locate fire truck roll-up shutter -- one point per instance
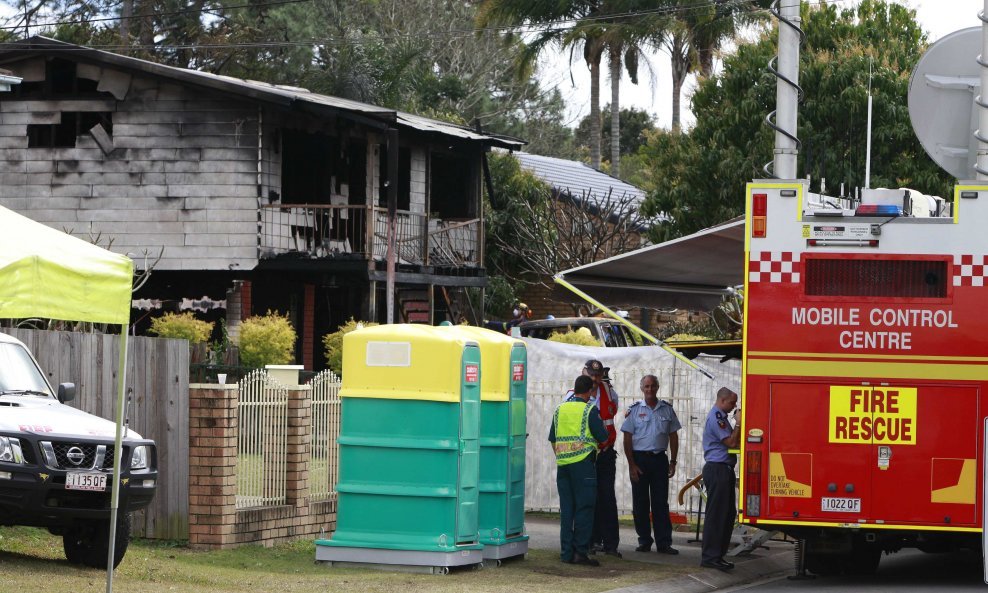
(901, 453)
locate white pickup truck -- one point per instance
(56, 463)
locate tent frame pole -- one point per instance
(117, 453)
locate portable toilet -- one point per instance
(502, 442)
(409, 450)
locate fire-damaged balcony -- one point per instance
(321, 232)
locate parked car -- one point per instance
(56, 463)
(610, 332)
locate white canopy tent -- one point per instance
(50, 274)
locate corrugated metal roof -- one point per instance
(284, 95)
(578, 179)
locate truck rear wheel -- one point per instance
(89, 544)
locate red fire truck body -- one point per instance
(865, 371)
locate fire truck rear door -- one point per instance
(929, 478)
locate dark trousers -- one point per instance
(605, 524)
(650, 494)
(722, 510)
(577, 485)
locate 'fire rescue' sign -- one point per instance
(880, 415)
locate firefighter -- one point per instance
(605, 399)
(576, 429)
(519, 313)
(719, 480)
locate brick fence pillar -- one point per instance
(213, 433)
(299, 442)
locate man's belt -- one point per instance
(662, 452)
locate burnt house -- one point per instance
(254, 196)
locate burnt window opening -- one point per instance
(61, 79)
(876, 278)
(309, 162)
(65, 133)
(452, 193)
(404, 178)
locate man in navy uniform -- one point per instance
(651, 446)
(575, 431)
(719, 480)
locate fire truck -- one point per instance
(865, 374)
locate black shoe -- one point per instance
(584, 560)
(718, 564)
(614, 553)
(565, 561)
(667, 550)
(594, 548)
(644, 548)
(728, 563)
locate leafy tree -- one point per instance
(532, 234)
(266, 339)
(698, 179)
(182, 326)
(634, 125)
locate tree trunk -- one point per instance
(126, 12)
(593, 61)
(615, 111)
(680, 68)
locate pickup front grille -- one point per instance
(71, 455)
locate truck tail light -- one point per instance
(759, 214)
(753, 483)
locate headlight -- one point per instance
(139, 458)
(10, 450)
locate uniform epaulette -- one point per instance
(634, 404)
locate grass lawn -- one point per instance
(32, 560)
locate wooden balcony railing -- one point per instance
(316, 231)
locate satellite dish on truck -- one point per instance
(941, 101)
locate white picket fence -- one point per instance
(262, 444)
(324, 453)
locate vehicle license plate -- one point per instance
(85, 481)
(841, 505)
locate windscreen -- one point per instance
(18, 371)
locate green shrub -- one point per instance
(685, 338)
(580, 337)
(268, 339)
(333, 344)
(181, 326)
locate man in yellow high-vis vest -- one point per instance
(575, 432)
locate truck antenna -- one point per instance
(867, 179)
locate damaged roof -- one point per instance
(286, 96)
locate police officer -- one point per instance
(650, 440)
(605, 399)
(575, 431)
(719, 480)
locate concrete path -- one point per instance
(774, 560)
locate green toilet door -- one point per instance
(468, 495)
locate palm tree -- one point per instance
(698, 32)
(568, 24)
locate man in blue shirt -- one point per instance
(649, 431)
(719, 480)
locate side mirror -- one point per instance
(66, 392)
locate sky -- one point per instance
(654, 93)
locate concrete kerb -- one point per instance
(776, 559)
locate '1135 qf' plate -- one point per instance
(841, 505)
(85, 481)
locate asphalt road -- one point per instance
(909, 570)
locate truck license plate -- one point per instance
(841, 505)
(85, 481)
